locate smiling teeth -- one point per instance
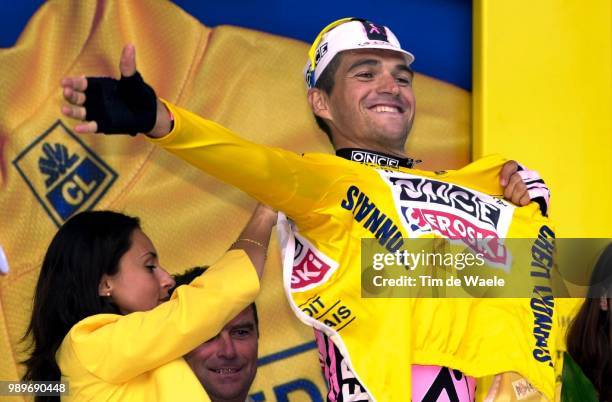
(383, 109)
(226, 371)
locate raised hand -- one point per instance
(110, 106)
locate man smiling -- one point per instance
(226, 364)
(360, 117)
(360, 91)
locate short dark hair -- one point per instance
(87, 246)
(326, 83)
(190, 274)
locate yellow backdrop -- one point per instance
(246, 80)
(542, 94)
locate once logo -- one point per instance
(367, 157)
(310, 266)
(460, 210)
(459, 213)
(480, 206)
(63, 173)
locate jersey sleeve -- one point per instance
(279, 178)
(117, 348)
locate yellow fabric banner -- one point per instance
(246, 80)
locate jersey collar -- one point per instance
(375, 158)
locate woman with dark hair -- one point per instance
(589, 339)
(99, 321)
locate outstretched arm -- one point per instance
(282, 179)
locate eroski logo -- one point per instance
(310, 266)
(431, 206)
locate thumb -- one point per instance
(508, 170)
(127, 64)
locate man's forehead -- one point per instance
(381, 55)
(245, 317)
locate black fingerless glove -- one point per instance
(125, 106)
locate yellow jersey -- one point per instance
(335, 203)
